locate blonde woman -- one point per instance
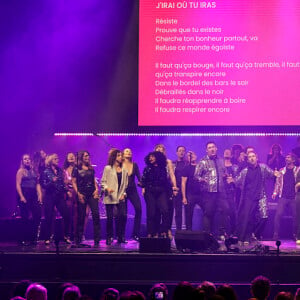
(29, 197)
(55, 196)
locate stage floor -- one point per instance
(287, 247)
(123, 266)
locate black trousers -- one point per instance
(32, 207)
(232, 211)
(134, 198)
(193, 200)
(56, 200)
(211, 203)
(93, 204)
(157, 210)
(177, 202)
(249, 220)
(282, 204)
(119, 211)
(298, 214)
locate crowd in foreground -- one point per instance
(259, 290)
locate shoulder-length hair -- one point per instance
(112, 156)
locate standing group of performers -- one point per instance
(230, 190)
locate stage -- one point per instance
(122, 266)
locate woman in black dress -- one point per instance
(132, 194)
(155, 190)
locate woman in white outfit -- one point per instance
(114, 183)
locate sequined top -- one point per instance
(85, 180)
(51, 186)
(210, 172)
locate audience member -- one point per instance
(159, 291)
(61, 289)
(209, 289)
(183, 291)
(284, 296)
(297, 295)
(110, 294)
(227, 292)
(36, 291)
(21, 287)
(260, 288)
(132, 295)
(71, 293)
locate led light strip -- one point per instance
(178, 134)
(73, 134)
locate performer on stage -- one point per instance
(230, 190)
(297, 189)
(132, 194)
(178, 166)
(114, 183)
(155, 190)
(172, 187)
(29, 197)
(275, 159)
(39, 164)
(210, 172)
(253, 208)
(86, 188)
(190, 188)
(285, 189)
(55, 190)
(68, 167)
(236, 151)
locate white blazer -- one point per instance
(110, 180)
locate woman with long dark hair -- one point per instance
(132, 194)
(55, 190)
(69, 164)
(172, 186)
(39, 162)
(155, 190)
(29, 197)
(86, 188)
(114, 183)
